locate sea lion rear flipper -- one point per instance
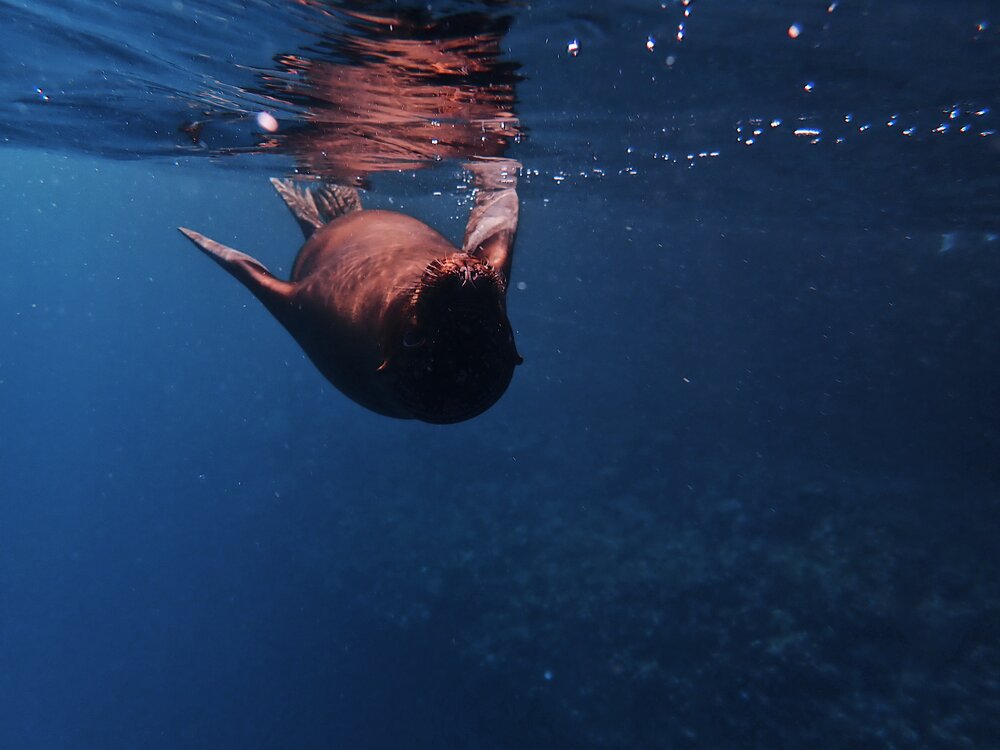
(492, 223)
(314, 207)
(273, 292)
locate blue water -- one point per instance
(744, 492)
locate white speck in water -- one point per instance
(650, 43)
(794, 30)
(809, 87)
(266, 121)
(573, 47)
(521, 286)
(547, 674)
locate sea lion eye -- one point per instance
(413, 339)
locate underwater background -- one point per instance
(744, 492)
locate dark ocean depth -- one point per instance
(744, 492)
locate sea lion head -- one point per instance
(453, 355)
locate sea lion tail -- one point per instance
(272, 291)
(313, 207)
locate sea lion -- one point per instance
(395, 316)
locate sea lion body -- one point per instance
(396, 317)
(353, 278)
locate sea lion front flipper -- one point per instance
(273, 292)
(492, 224)
(314, 207)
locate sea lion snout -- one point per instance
(456, 356)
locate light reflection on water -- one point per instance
(356, 88)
